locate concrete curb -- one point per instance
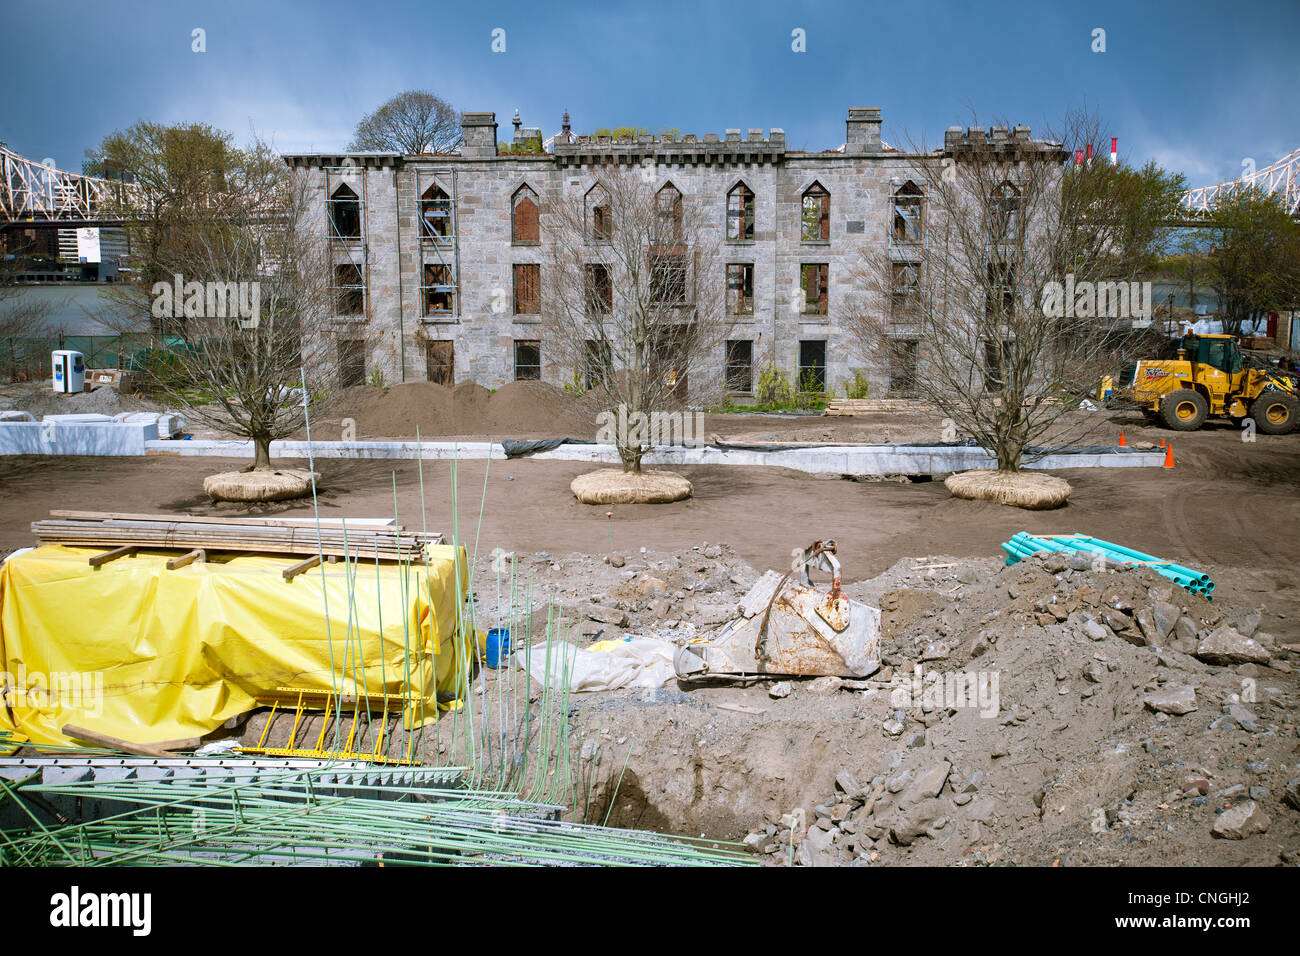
(834, 460)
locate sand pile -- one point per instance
(40, 401)
(517, 410)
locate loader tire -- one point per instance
(1184, 410)
(1275, 413)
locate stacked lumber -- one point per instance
(869, 406)
(191, 533)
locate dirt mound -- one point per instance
(517, 410)
(45, 401)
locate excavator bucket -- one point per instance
(787, 626)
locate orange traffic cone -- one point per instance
(1122, 442)
(1169, 455)
(1162, 443)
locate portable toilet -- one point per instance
(69, 370)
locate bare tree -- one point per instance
(634, 301)
(412, 122)
(1009, 278)
(244, 285)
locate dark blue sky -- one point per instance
(1198, 86)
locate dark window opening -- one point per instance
(909, 208)
(997, 365)
(349, 290)
(352, 362)
(740, 213)
(528, 361)
(597, 363)
(740, 289)
(435, 213)
(345, 214)
(812, 366)
(600, 290)
(1005, 220)
(904, 292)
(668, 278)
(902, 368)
(740, 365)
(601, 225)
(1000, 294)
(438, 292)
(668, 226)
(816, 214)
(816, 281)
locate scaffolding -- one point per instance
(439, 251)
(345, 218)
(909, 238)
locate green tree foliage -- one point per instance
(411, 123)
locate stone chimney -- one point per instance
(479, 130)
(863, 130)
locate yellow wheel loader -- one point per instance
(1205, 375)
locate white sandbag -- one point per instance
(642, 662)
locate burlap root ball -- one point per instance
(613, 486)
(1022, 489)
(278, 485)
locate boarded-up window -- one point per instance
(528, 361)
(525, 223)
(437, 290)
(740, 365)
(740, 288)
(352, 362)
(816, 214)
(740, 213)
(440, 362)
(349, 290)
(600, 290)
(528, 290)
(816, 280)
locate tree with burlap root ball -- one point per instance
(984, 228)
(236, 283)
(633, 302)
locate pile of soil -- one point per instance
(517, 410)
(41, 401)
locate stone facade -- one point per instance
(481, 181)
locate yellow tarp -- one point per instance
(145, 654)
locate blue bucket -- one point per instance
(498, 646)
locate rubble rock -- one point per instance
(907, 824)
(606, 615)
(1174, 699)
(779, 689)
(825, 685)
(1241, 821)
(1226, 645)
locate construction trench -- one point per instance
(1066, 707)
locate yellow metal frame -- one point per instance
(306, 700)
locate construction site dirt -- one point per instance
(1093, 754)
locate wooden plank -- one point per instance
(96, 560)
(186, 559)
(113, 743)
(334, 524)
(294, 570)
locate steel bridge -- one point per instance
(1278, 179)
(33, 193)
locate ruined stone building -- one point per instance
(438, 260)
